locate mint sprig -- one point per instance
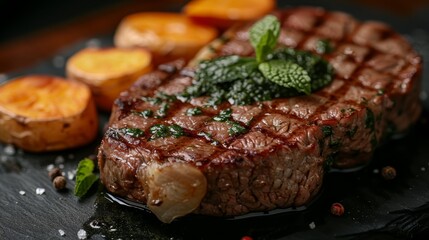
(244, 80)
(263, 36)
(85, 177)
(286, 74)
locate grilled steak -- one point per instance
(289, 143)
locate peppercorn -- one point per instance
(388, 173)
(59, 182)
(54, 172)
(337, 209)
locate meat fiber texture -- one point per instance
(291, 143)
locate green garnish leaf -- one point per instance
(323, 46)
(85, 177)
(133, 132)
(223, 116)
(162, 111)
(263, 36)
(287, 74)
(319, 70)
(161, 131)
(245, 80)
(226, 69)
(146, 113)
(176, 131)
(236, 129)
(193, 111)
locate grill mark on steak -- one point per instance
(279, 161)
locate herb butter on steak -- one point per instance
(182, 157)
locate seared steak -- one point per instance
(288, 144)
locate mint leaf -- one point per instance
(263, 36)
(85, 177)
(287, 74)
(319, 70)
(226, 69)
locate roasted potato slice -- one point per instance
(167, 35)
(45, 113)
(225, 13)
(108, 71)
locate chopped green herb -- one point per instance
(152, 100)
(323, 46)
(166, 97)
(146, 113)
(133, 132)
(162, 111)
(223, 116)
(193, 111)
(85, 177)
(327, 131)
(161, 131)
(236, 129)
(176, 131)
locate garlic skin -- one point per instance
(173, 189)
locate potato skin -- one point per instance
(226, 13)
(51, 133)
(157, 37)
(107, 86)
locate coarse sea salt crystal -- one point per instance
(62, 233)
(22, 192)
(9, 149)
(312, 225)
(40, 191)
(59, 159)
(50, 167)
(71, 174)
(81, 234)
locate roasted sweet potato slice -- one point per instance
(108, 71)
(167, 35)
(45, 113)
(224, 13)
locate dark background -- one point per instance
(31, 31)
(21, 17)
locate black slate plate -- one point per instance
(375, 208)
